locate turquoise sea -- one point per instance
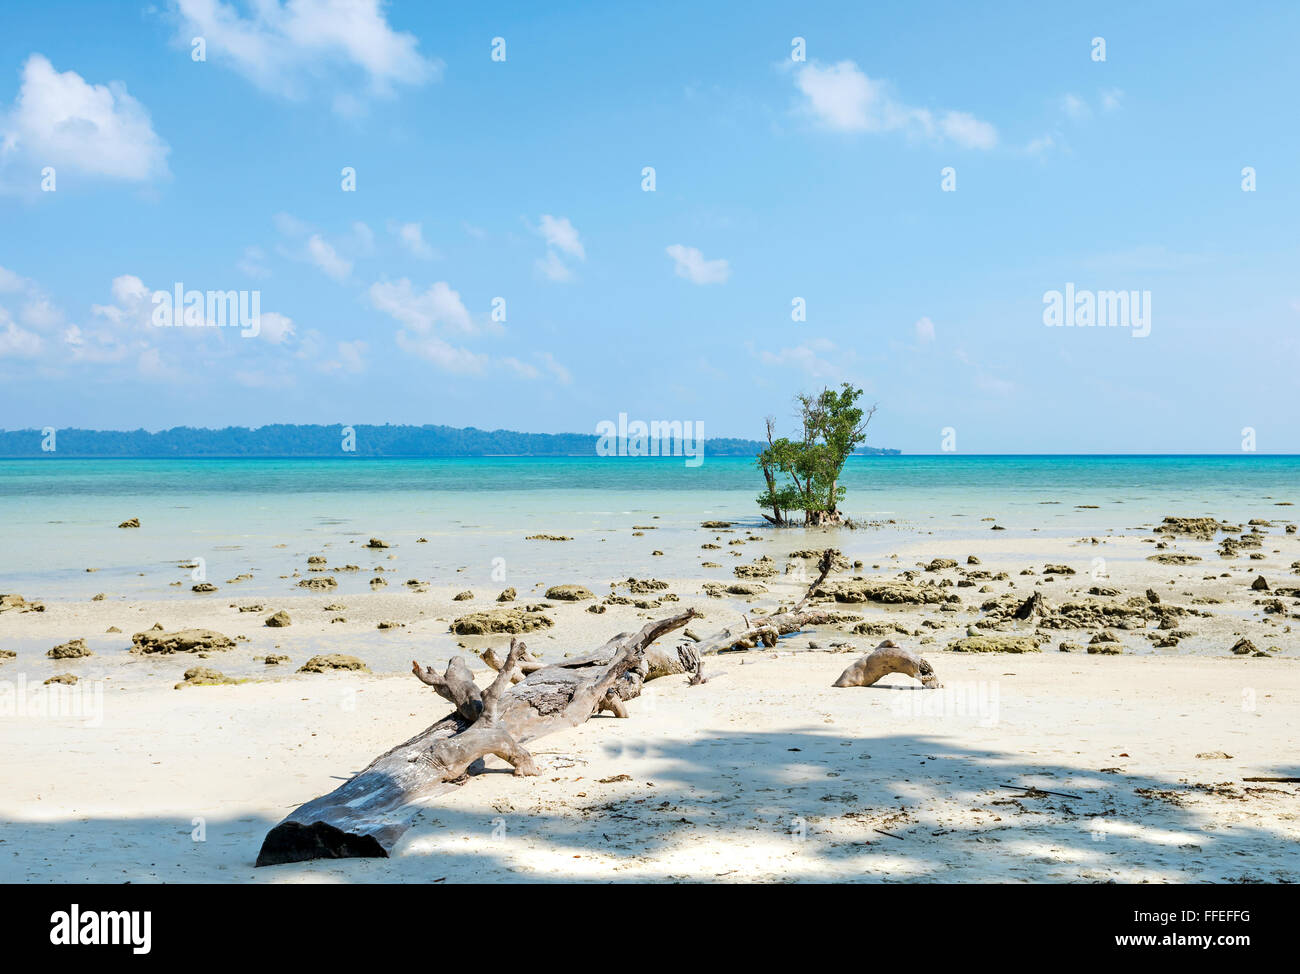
(60, 516)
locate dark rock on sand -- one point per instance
(202, 676)
(885, 592)
(644, 586)
(181, 641)
(569, 593)
(514, 621)
(133, 522)
(331, 662)
(717, 589)
(279, 620)
(72, 649)
(1105, 649)
(1203, 528)
(995, 644)
(507, 596)
(462, 596)
(764, 567)
(13, 602)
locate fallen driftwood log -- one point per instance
(368, 814)
(888, 658)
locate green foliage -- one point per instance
(803, 475)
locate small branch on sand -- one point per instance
(1033, 790)
(765, 632)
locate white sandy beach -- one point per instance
(765, 772)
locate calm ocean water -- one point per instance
(60, 515)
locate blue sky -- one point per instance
(776, 179)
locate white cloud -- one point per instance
(523, 369)
(552, 268)
(1041, 145)
(290, 225)
(62, 121)
(324, 256)
(924, 330)
(132, 302)
(292, 48)
(1075, 107)
(968, 131)
(1111, 99)
(843, 98)
(275, 327)
(10, 282)
(811, 357)
(444, 355)
(16, 342)
(561, 374)
(562, 235)
(39, 313)
(365, 237)
(438, 307)
(411, 236)
(429, 316)
(689, 263)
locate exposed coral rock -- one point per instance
(995, 644)
(333, 661)
(72, 649)
(516, 621)
(569, 593)
(182, 641)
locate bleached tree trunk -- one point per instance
(368, 814)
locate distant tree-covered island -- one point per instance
(294, 440)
